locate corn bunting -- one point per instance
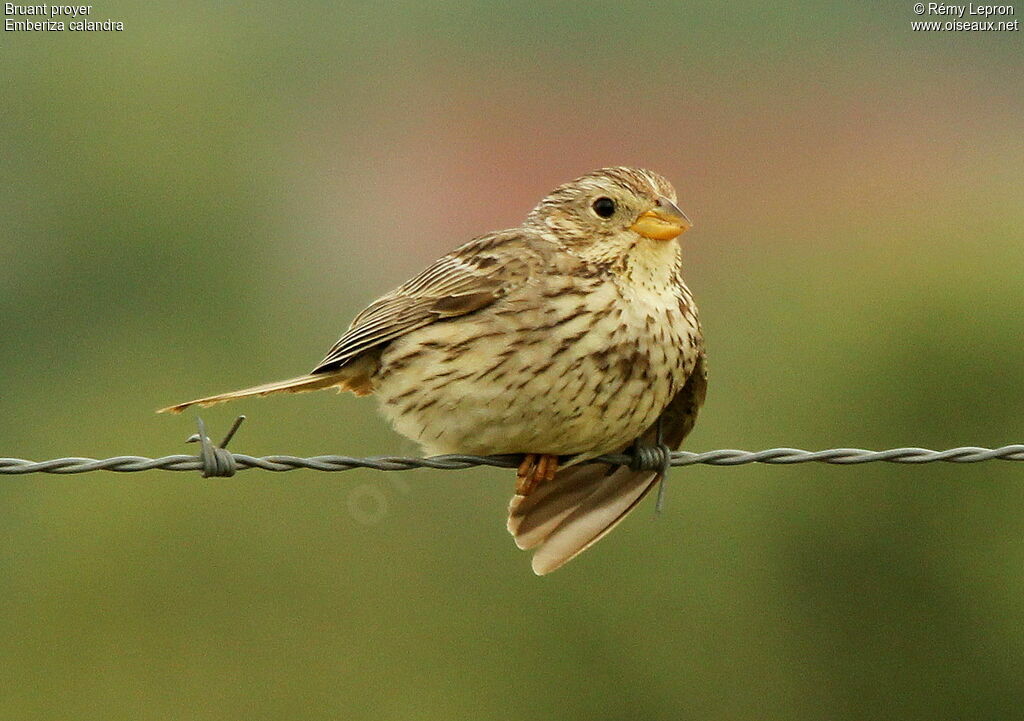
(566, 338)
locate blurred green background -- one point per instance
(204, 200)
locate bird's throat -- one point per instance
(651, 263)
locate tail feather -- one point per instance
(343, 380)
(568, 515)
(534, 517)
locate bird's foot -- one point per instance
(536, 467)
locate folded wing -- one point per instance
(468, 279)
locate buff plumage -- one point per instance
(565, 338)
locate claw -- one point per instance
(534, 469)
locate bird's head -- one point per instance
(607, 214)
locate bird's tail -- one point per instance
(344, 379)
(562, 518)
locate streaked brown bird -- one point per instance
(563, 339)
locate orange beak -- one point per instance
(664, 221)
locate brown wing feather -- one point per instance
(565, 517)
(468, 279)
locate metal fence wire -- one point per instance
(216, 460)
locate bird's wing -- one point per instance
(467, 279)
(566, 516)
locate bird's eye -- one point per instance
(604, 207)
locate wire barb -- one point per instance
(216, 460)
(656, 457)
(666, 462)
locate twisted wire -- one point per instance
(225, 462)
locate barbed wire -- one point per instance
(218, 461)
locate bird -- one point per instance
(566, 338)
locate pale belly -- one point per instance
(586, 374)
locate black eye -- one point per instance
(604, 207)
